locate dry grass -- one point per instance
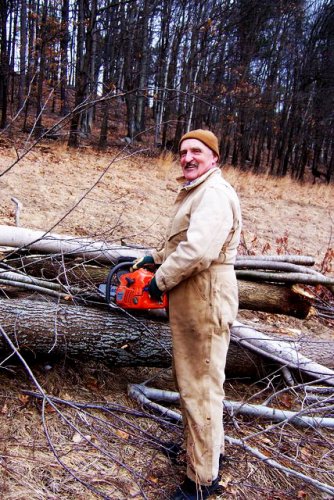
(281, 188)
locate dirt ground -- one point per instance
(122, 195)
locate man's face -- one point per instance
(196, 159)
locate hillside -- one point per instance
(132, 195)
(122, 195)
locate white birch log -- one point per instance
(40, 241)
(144, 394)
(283, 352)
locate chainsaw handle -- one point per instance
(111, 273)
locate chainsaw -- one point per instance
(129, 289)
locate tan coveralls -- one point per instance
(197, 270)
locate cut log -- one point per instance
(101, 251)
(276, 299)
(266, 297)
(115, 338)
(59, 244)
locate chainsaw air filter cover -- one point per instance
(132, 291)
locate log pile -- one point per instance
(44, 291)
(50, 306)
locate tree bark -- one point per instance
(41, 51)
(23, 53)
(4, 63)
(52, 329)
(276, 299)
(64, 41)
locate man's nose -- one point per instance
(188, 156)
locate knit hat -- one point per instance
(205, 136)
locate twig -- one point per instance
(39, 115)
(47, 399)
(327, 488)
(61, 463)
(18, 208)
(23, 105)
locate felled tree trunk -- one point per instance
(60, 244)
(118, 339)
(276, 299)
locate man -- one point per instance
(196, 268)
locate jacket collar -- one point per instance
(186, 185)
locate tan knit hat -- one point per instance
(205, 136)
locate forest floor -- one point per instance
(126, 196)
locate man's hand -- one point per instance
(154, 291)
(142, 262)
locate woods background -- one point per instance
(259, 73)
(91, 93)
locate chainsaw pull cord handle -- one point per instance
(111, 273)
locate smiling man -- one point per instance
(197, 158)
(197, 269)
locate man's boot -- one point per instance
(189, 490)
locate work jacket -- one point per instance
(204, 230)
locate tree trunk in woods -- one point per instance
(4, 63)
(41, 47)
(87, 12)
(64, 42)
(273, 116)
(53, 329)
(23, 53)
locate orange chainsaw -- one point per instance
(129, 289)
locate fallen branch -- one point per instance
(308, 279)
(304, 260)
(279, 351)
(144, 394)
(327, 488)
(273, 266)
(33, 288)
